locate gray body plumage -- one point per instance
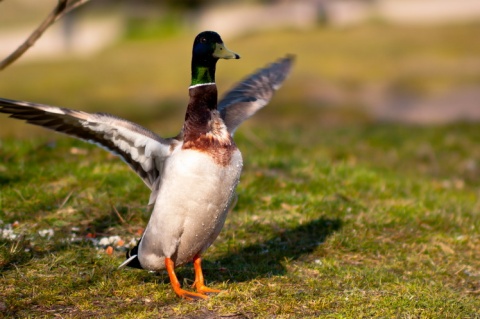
(194, 198)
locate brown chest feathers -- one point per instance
(204, 129)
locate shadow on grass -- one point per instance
(264, 259)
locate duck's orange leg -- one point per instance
(199, 280)
(176, 284)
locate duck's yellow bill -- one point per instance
(222, 52)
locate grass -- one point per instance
(337, 216)
(313, 233)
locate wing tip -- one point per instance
(283, 66)
(290, 57)
(288, 61)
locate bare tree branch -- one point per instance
(73, 4)
(62, 7)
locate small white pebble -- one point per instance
(108, 241)
(114, 240)
(7, 233)
(132, 243)
(104, 241)
(46, 233)
(318, 261)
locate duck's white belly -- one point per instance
(190, 209)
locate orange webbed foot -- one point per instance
(176, 284)
(189, 295)
(199, 283)
(202, 289)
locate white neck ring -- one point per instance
(201, 84)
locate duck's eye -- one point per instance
(203, 40)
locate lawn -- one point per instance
(338, 215)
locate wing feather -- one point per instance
(141, 149)
(253, 93)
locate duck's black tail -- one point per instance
(132, 259)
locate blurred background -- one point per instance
(414, 62)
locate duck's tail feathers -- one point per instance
(132, 259)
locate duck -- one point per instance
(192, 177)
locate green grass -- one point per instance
(337, 216)
(313, 233)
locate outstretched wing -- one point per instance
(253, 93)
(141, 149)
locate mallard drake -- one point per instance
(193, 176)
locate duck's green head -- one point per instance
(208, 47)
